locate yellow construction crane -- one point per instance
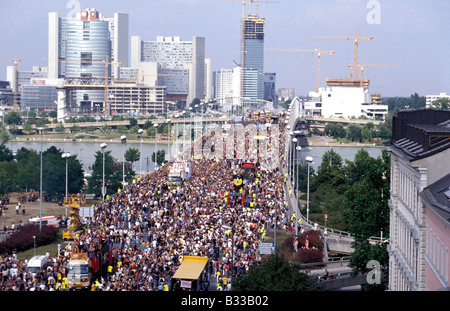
(355, 49)
(106, 62)
(15, 61)
(243, 35)
(318, 51)
(362, 66)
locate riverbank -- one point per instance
(313, 141)
(326, 141)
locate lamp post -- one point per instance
(168, 138)
(156, 144)
(298, 148)
(309, 160)
(103, 146)
(40, 129)
(66, 156)
(123, 138)
(140, 131)
(294, 140)
(291, 134)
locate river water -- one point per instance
(85, 151)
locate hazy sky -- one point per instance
(413, 34)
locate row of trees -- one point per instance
(21, 171)
(355, 195)
(358, 133)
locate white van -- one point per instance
(37, 263)
(47, 220)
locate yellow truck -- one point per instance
(180, 171)
(79, 271)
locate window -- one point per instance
(86, 59)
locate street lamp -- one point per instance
(156, 143)
(123, 138)
(294, 140)
(309, 160)
(103, 146)
(40, 129)
(66, 156)
(140, 131)
(298, 148)
(168, 138)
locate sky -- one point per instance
(410, 48)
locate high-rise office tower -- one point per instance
(92, 30)
(252, 58)
(182, 63)
(78, 50)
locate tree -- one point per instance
(5, 153)
(5, 183)
(28, 128)
(54, 166)
(335, 130)
(13, 117)
(113, 174)
(122, 129)
(383, 132)
(275, 274)
(106, 128)
(367, 200)
(329, 172)
(366, 134)
(161, 157)
(354, 132)
(28, 169)
(132, 154)
(133, 122)
(75, 128)
(441, 103)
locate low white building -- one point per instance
(432, 98)
(343, 98)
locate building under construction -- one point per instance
(252, 58)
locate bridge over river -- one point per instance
(336, 242)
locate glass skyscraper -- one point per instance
(87, 46)
(252, 78)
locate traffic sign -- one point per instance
(266, 248)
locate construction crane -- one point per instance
(362, 66)
(107, 63)
(15, 61)
(318, 51)
(243, 35)
(355, 49)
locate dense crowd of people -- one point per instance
(153, 226)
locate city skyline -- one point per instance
(410, 34)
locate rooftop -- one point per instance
(437, 197)
(421, 133)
